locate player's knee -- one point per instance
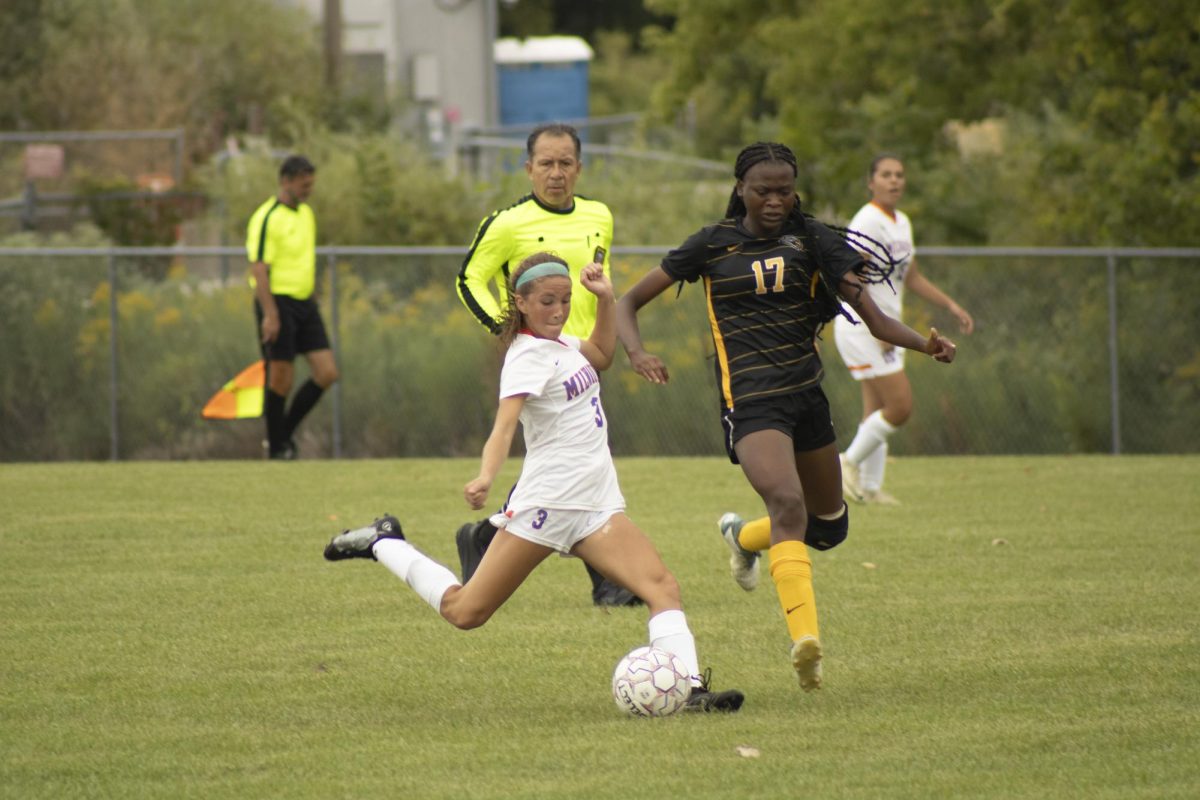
(280, 376)
(786, 509)
(668, 587)
(896, 414)
(467, 620)
(464, 615)
(824, 534)
(326, 377)
(659, 590)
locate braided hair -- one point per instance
(877, 264)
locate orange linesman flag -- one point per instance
(241, 398)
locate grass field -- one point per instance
(1028, 629)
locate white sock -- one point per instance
(428, 579)
(669, 631)
(872, 432)
(870, 471)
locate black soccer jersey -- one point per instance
(766, 301)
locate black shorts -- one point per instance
(300, 328)
(804, 416)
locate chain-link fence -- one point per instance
(1075, 350)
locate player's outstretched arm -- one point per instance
(652, 284)
(495, 450)
(600, 347)
(892, 330)
(924, 288)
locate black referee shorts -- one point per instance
(803, 415)
(300, 328)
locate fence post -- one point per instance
(331, 266)
(1113, 361)
(114, 430)
(177, 165)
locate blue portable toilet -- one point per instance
(542, 79)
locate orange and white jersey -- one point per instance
(894, 233)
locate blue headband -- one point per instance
(545, 269)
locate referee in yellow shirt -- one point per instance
(281, 241)
(551, 218)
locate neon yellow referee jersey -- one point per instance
(285, 239)
(510, 235)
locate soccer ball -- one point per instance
(650, 683)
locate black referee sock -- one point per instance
(302, 403)
(273, 406)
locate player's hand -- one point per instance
(649, 366)
(270, 328)
(965, 323)
(939, 347)
(476, 492)
(595, 281)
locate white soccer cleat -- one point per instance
(743, 563)
(878, 497)
(850, 488)
(806, 660)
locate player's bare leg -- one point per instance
(506, 564)
(625, 555)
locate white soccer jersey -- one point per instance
(567, 460)
(894, 233)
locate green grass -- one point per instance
(170, 630)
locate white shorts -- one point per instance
(863, 354)
(557, 528)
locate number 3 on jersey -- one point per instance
(772, 266)
(599, 412)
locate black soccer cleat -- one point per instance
(703, 699)
(358, 542)
(607, 593)
(470, 548)
(285, 452)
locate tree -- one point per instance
(571, 17)
(209, 66)
(1095, 106)
(22, 51)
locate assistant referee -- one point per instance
(281, 240)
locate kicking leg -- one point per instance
(505, 566)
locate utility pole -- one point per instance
(491, 30)
(333, 46)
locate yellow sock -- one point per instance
(791, 570)
(755, 535)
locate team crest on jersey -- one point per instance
(793, 242)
